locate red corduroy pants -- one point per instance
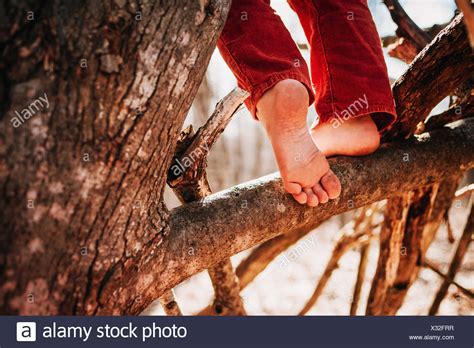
(348, 72)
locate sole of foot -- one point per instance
(303, 167)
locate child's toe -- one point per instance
(312, 198)
(301, 198)
(320, 193)
(331, 184)
(292, 187)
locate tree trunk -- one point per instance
(102, 90)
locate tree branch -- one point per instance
(188, 178)
(406, 27)
(447, 61)
(435, 269)
(233, 220)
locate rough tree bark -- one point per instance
(81, 181)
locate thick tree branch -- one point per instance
(447, 61)
(230, 221)
(391, 237)
(412, 251)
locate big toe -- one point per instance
(331, 184)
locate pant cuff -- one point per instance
(383, 115)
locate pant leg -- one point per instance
(347, 64)
(259, 50)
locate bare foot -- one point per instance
(304, 169)
(355, 137)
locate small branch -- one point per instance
(435, 269)
(456, 262)
(431, 32)
(406, 27)
(364, 254)
(187, 172)
(190, 184)
(454, 113)
(170, 306)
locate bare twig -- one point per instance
(188, 178)
(431, 266)
(456, 262)
(406, 27)
(364, 254)
(455, 112)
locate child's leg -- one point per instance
(261, 54)
(353, 97)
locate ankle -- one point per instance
(284, 106)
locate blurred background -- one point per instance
(243, 153)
